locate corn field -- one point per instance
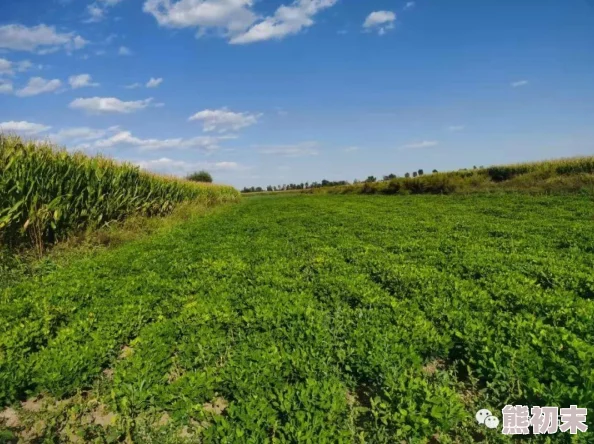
(47, 193)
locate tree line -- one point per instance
(326, 183)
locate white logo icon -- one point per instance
(482, 414)
(492, 422)
(486, 418)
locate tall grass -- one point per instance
(47, 193)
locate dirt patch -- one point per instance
(217, 407)
(432, 367)
(10, 418)
(163, 420)
(185, 432)
(32, 405)
(102, 417)
(108, 373)
(126, 352)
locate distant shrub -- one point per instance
(200, 176)
(506, 172)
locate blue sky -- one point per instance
(269, 92)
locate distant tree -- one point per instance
(414, 174)
(435, 171)
(370, 179)
(390, 177)
(407, 175)
(200, 176)
(474, 167)
(269, 188)
(356, 181)
(259, 189)
(420, 172)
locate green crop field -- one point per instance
(316, 319)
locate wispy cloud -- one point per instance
(166, 165)
(41, 38)
(23, 127)
(519, 83)
(122, 138)
(381, 21)
(223, 120)
(5, 87)
(103, 105)
(296, 150)
(409, 5)
(39, 85)
(153, 83)
(351, 149)
(98, 10)
(423, 144)
(81, 81)
(456, 128)
(124, 51)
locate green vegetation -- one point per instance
(311, 319)
(47, 194)
(200, 176)
(563, 175)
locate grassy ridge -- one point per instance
(47, 193)
(561, 175)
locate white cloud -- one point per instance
(455, 128)
(98, 10)
(409, 5)
(222, 120)
(423, 144)
(287, 20)
(133, 86)
(96, 13)
(235, 19)
(5, 67)
(351, 149)
(153, 83)
(80, 134)
(519, 83)
(124, 51)
(296, 150)
(96, 105)
(43, 39)
(81, 81)
(25, 65)
(230, 16)
(8, 68)
(5, 87)
(125, 138)
(38, 85)
(380, 21)
(25, 128)
(183, 168)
